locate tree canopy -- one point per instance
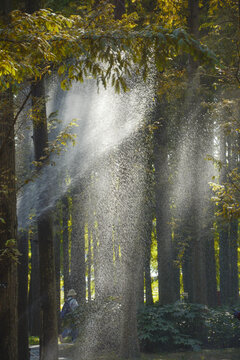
(89, 44)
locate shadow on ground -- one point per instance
(223, 354)
(66, 352)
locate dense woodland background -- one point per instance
(154, 220)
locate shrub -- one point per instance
(187, 326)
(222, 328)
(169, 327)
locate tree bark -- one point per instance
(78, 266)
(8, 222)
(211, 271)
(23, 351)
(164, 235)
(233, 231)
(233, 260)
(8, 232)
(223, 229)
(34, 5)
(119, 9)
(66, 264)
(148, 280)
(49, 328)
(34, 291)
(57, 252)
(89, 260)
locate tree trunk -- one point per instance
(224, 264)
(129, 347)
(8, 223)
(223, 229)
(78, 267)
(211, 271)
(193, 17)
(57, 252)
(34, 291)
(164, 235)
(147, 268)
(194, 268)
(89, 259)
(34, 5)
(119, 9)
(233, 232)
(66, 265)
(49, 328)
(131, 200)
(8, 232)
(233, 260)
(23, 351)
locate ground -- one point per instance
(65, 351)
(224, 354)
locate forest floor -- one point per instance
(220, 354)
(65, 352)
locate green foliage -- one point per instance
(10, 251)
(89, 44)
(33, 340)
(183, 325)
(168, 327)
(227, 196)
(223, 329)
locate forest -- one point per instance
(120, 178)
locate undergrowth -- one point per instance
(186, 326)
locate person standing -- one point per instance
(69, 306)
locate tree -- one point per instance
(45, 40)
(8, 222)
(163, 218)
(23, 329)
(78, 267)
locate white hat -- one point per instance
(71, 292)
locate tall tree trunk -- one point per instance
(92, 212)
(119, 9)
(8, 222)
(23, 351)
(34, 291)
(34, 5)
(105, 221)
(233, 260)
(164, 235)
(89, 258)
(211, 271)
(233, 231)
(78, 267)
(147, 267)
(49, 328)
(57, 252)
(194, 268)
(66, 262)
(129, 347)
(131, 200)
(223, 227)
(8, 230)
